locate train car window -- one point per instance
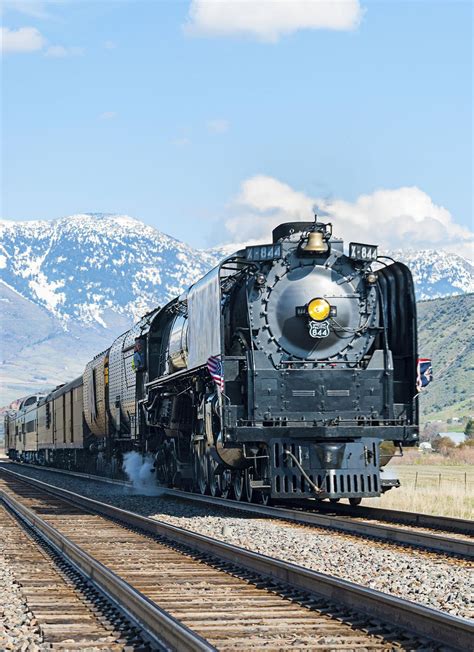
(30, 426)
(30, 401)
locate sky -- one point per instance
(213, 121)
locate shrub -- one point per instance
(443, 445)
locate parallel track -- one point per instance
(349, 522)
(461, 547)
(213, 595)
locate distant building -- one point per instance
(456, 437)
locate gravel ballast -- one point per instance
(427, 579)
(18, 629)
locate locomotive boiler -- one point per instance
(277, 375)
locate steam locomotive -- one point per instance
(277, 375)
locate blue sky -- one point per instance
(205, 131)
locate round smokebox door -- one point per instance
(296, 333)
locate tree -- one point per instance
(430, 432)
(469, 429)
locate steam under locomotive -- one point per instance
(277, 375)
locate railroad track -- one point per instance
(461, 545)
(197, 593)
(65, 610)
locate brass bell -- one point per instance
(315, 243)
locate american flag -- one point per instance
(214, 364)
(424, 373)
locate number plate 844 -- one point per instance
(360, 251)
(318, 329)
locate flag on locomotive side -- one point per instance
(424, 373)
(214, 364)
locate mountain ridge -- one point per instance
(80, 266)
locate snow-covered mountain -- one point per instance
(69, 286)
(437, 273)
(85, 267)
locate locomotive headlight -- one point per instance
(319, 309)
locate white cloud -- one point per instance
(398, 218)
(218, 126)
(60, 52)
(24, 39)
(110, 45)
(30, 39)
(108, 115)
(268, 20)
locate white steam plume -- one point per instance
(140, 472)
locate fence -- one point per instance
(436, 479)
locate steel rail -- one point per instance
(430, 521)
(77, 474)
(158, 625)
(457, 633)
(346, 524)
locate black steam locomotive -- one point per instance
(277, 375)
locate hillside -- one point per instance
(446, 334)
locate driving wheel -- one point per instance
(238, 485)
(215, 480)
(201, 467)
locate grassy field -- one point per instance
(433, 489)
